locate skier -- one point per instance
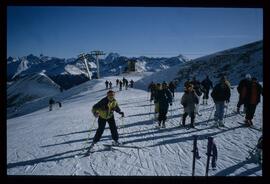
(120, 85)
(152, 88)
(117, 82)
(198, 90)
(106, 84)
(104, 111)
(220, 94)
(242, 90)
(207, 84)
(189, 101)
(163, 98)
(186, 83)
(124, 81)
(254, 92)
(131, 83)
(172, 87)
(51, 103)
(110, 84)
(126, 84)
(59, 103)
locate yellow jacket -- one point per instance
(105, 108)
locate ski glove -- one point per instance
(122, 113)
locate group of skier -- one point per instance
(249, 91)
(124, 83)
(162, 94)
(108, 84)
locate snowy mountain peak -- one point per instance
(182, 58)
(111, 56)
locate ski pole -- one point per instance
(226, 112)
(209, 149)
(194, 153)
(122, 124)
(89, 133)
(210, 115)
(150, 104)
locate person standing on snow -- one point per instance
(207, 84)
(120, 85)
(110, 84)
(124, 81)
(117, 82)
(51, 103)
(172, 87)
(187, 82)
(163, 98)
(221, 94)
(131, 83)
(106, 84)
(103, 110)
(189, 101)
(126, 84)
(242, 90)
(198, 90)
(254, 92)
(152, 88)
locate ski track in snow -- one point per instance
(50, 143)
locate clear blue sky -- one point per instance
(130, 31)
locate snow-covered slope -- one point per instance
(30, 88)
(51, 142)
(235, 63)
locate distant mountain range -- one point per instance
(70, 72)
(29, 72)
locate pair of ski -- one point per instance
(111, 146)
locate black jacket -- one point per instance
(163, 97)
(197, 87)
(221, 92)
(207, 84)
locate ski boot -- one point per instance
(90, 148)
(221, 123)
(163, 124)
(116, 143)
(248, 122)
(183, 122)
(159, 124)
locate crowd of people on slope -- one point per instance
(162, 94)
(249, 91)
(121, 83)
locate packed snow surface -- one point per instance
(47, 142)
